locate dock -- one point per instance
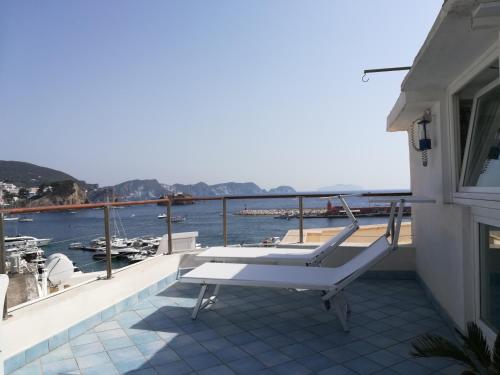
(317, 213)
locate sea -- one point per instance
(204, 217)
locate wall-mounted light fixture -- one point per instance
(424, 142)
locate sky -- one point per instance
(267, 91)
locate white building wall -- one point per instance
(437, 228)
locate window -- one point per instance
(489, 257)
(482, 163)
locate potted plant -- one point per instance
(473, 353)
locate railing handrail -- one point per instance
(84, 206)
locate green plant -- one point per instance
(474, 353)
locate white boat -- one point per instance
(137, 257)
(271, 241)
(25, 220)
(26, 241)
(10, 218)
(128, 251)
(101, 254)
(174, 219)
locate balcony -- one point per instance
(253, 331)
(137, 320)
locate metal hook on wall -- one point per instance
(365, 77)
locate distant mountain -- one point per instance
(282, 190)
(229, 188)
(151, 189)
(30, 175)
(133, 190)
(341, 188)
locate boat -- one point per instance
(174, 219)
(10, 218)
(271, 241)
(174, 198)
(137, 257)
(25, 220)
(26, 241)
(101, 254)
(128, 251)
(76, 245)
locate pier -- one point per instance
(315, 213)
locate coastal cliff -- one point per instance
(59, 193)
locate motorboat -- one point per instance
(101, 254)
(26, 241)
(137, 257)
(174, 219)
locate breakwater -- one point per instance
(314, 213)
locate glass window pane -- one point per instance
(490, 275)
(483, 164)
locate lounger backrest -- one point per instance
(358, 265)
(327, 248)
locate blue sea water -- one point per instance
(203, 217)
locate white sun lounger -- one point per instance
(282, 256)
(331, 281)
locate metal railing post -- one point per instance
(107, 235)
(224, 220)
(3, 268)
(301, 219)
(169, 227)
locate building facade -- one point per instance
(450, 107)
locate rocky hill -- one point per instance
(61, 188)
(133, 190)
(151, 189)
(229, 188)
(59, 193)
(30, 175)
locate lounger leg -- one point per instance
(216, 292)
(341, 310)
(326, 302)
(348, 305)
(199, 302)
(212, 299)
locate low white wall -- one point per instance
(402, 259)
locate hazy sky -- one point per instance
(184, 91)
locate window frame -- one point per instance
(463, 166)
(481, 216)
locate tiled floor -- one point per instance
(257, 331)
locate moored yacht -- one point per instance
(26, 241)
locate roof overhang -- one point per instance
(409, 107)
(461, 33)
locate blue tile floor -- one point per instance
(257, 331)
